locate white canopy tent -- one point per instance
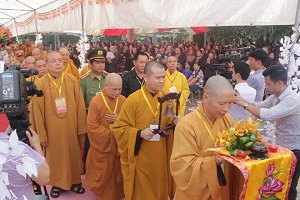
(94, 16)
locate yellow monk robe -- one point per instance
(103, 168)
(178, 80)
(193, 169)
(71, 69)
(63, 132)
(44, 54)
(27, 50)
(86, 69)
(145, 175)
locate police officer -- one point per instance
(92, 83)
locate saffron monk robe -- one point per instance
(103, 168)
(144, 159)
(193, 168)
(68, 64)
(59, 117)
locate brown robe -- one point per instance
(194, 169)
(63, 131)
(103, 168)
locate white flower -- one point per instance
(4, 192)
(12, 147)
(28, 167)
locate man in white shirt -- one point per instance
(241, 72)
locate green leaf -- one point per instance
(233, 152)
(248, 145)
(269, 198)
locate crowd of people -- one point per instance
(111, 109)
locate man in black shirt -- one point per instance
(134, 79)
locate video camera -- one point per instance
(225, 60)
(14, 93)
(240, 54)
(223, 70)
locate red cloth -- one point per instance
(3, 122)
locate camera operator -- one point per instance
(19, 185)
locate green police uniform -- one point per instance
(90, 83)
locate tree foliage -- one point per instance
(250, 35)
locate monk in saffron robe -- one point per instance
(194, 169)
(103, 168)
(26, 47)
(143, 153)
(175, 82)
(59, 117)
(69, 66)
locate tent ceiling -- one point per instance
(95, 16)
(11, 9)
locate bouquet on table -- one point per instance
(241, 137)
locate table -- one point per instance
(268, 178)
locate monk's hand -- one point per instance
(147, 133)
(219, 160)
(176, 119)
(111, 118)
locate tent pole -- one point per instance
(297, 16)
(17, 35)
(82, 22)
(36, 26)
(55, 41)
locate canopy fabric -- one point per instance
(94, 16)
(10, 9)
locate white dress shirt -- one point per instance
(247, 93)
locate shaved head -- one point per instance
(51, 54)
(29, 62)
(36, 53)
(64, 52)
(113, 85)
(218, 97)
(150, 65)
(112, 79)
(216, 84)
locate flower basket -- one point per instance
(5, 35)
(241, 137)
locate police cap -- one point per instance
(98, 55)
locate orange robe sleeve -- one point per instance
(97, 126)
